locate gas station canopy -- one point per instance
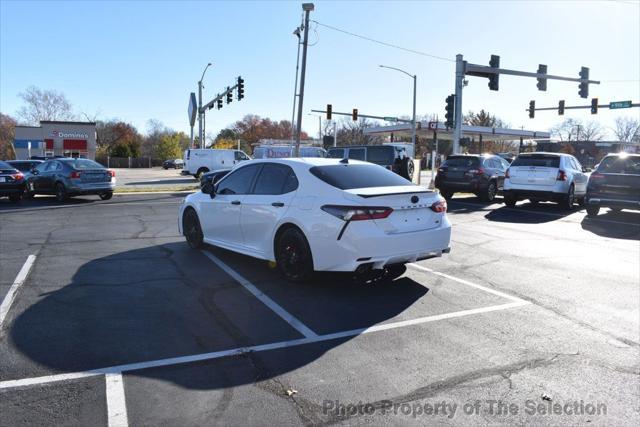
(426, 129)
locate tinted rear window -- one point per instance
(626, 165)
(83, 164)
(540, 160)
(336, 153)
(4, 165)
(381, 155)
(462, 162)
(346, 177)
(21, 166)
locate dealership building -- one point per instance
(55, 138)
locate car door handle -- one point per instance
(277, 204)
(235, 202)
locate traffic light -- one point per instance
(229, 95)
(542, 82)
(451, 99)
(354, 115)
(494, 62)
(329, 108)
(532, 109)
(240, 88)
(594, 105)
(561, 108)
(584, 86)
(219, 102)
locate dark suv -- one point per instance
(391, 157)
(482, 175)
(614, 184)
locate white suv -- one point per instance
(556, 177)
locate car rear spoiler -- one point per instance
(367, 196)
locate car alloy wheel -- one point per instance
(191, 229)
(61, 192)
(293, 256)
(569, 199)
(491, 192)
(106, 196)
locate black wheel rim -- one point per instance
(59, 192)
(491, 192)
(291, 258)
(192, 230)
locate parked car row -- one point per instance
(555, 177)
(62, 177)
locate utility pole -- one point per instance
(307, 8)
(200, 109)
(413, 121)
(457, 116)
(296, 33)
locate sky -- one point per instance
(139, 60)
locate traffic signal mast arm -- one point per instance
(366, 116)
(583, 107)
(484, 71)
(209, 105)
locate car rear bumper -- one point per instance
(92, 188)
(376, 248)
(464, 186)
(609, 202)
(535, 194)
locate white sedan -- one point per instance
(317, 214)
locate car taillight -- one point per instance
(111, 173)
(507, 175)
(562, 176)
(439, 206)
(597, 176)
(357, 213)
(478, 171)
(75, 174)
(18, 176)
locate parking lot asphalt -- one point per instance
(119, 322)
(151, 177)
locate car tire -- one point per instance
(61, 192)
(293, 256)
(200, 172)
(593, 210)
(406, 168)
(569, 199)
(490, 194)
(192, 230)
(446, 194)
(14, 198)
(106, 196)
(510, 200)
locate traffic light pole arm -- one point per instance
(577, 107)
(482, 71)
(212, 103)
(362, 115)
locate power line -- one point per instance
(417, 52)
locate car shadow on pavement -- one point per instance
(187, 180)
(626, 226)
(529, 213)
(166, 301)
(464, 205)
(47, 201)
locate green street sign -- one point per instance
(619, 104)
(390, 119)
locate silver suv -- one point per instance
(555, 177)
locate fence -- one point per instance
(128, 162)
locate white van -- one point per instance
(199, 161)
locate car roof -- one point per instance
(310, 161)
(545, 153)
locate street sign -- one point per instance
(433, 125)
(193, 108)
(390, 119)
(619, 104)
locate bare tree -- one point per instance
(352, 133)
(7, 132)
(592, 131)
(44, 105)
(627, 129)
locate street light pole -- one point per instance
(413, 120)
(307, 8)
(319, 124)
(200, 112)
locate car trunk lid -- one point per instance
(535, 169)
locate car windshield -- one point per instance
(462, 162)
(347, 177)
(540, 160)
(83, 164)
(616, 164)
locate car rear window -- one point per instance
(83, 164)
(4, 165)
(540, 160)
(346, 177)
(21, 166)
(461, 162)
(381, 155)
(617, 164)
(335, 153)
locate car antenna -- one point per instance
(345, 161)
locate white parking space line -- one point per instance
(11, 295)
(26, 382)
(275, 307)
(468, 283)
(116, 402)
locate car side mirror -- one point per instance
(207, 188)
(214, 189)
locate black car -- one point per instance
(173, 164)
(11, 182)
(24, 166)
(211, 178)
(614, 184)
(482, 175)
